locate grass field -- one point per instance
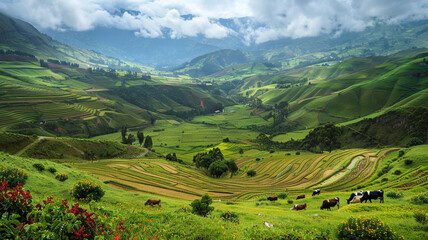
(131, 182)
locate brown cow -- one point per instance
(153, 202)
(330, 203)
(298, 207)
(356, 199)
(301, 196)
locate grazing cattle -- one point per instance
(268, 225)
(330, 203)
(369, 195)
(316, 192)
(356, 199)
(353, 195)
(272, 198)
(301, 196)
(298, 207)
(153, 202)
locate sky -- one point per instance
(255, 21)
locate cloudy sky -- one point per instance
(257, 20)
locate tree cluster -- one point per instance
(214, 162)
(323, 138)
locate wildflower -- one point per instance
(117, 237)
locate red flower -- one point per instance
(117, 237)
(20, 226)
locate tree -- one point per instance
(202, 207)
(140, 136)
(131, 139)
(233, 168)
(322, 138)
(124, 130)
(148, 143)
(218, 168)
(206, 161)
(241, 151)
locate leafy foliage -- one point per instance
(39, 166)
(148, 143)
(323, 138)
(87, 191)
(251, 173)
(233, 168)
(420, 217)
(365, 228)
(52, 170)
(230, 216)
(140, 136)
(205, 159)
(283, 195)
(61, 176)
(218, 168)
(395, 194)
(202, 207)
(13, 176)
(419, 199)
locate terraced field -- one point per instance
(276, 172)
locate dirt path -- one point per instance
(143, 154)
(28, 146)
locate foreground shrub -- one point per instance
(420, 217)
(61, 176)
(52, 170)
(419, 199)
(14, 202)
(365, 228)
(394, 194)
(283, 195)
(13, 176)
(251, 173)
(230, 216)
(87, 191)
(202, 207)
(289, 201)
(39, 166)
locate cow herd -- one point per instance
(356, 197)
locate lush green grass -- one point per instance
(291, 135)
(186, 138)
(173, 221)
(237, 116)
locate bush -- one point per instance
(384, 180)
(39, 166)
(394, 194)
(61, 176)
(218, 168)
(289, 201)
(420, 217)
(202, 207)
(414, 141)
(400, 153)
(13, 176)
(52, 170)
(365, 228)
(283, 195)
(251, 173)
(408, 161)
(419, 199)
(87, 191)
(230, 216)
(271, 151)
(297, 153)
(257, 159)
(397, 172)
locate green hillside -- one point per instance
(348, 90)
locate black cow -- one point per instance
(272, 198)
(369, 195)
(316, 192)
(327, 204)
(353, 195)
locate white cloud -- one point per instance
(263, 20)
